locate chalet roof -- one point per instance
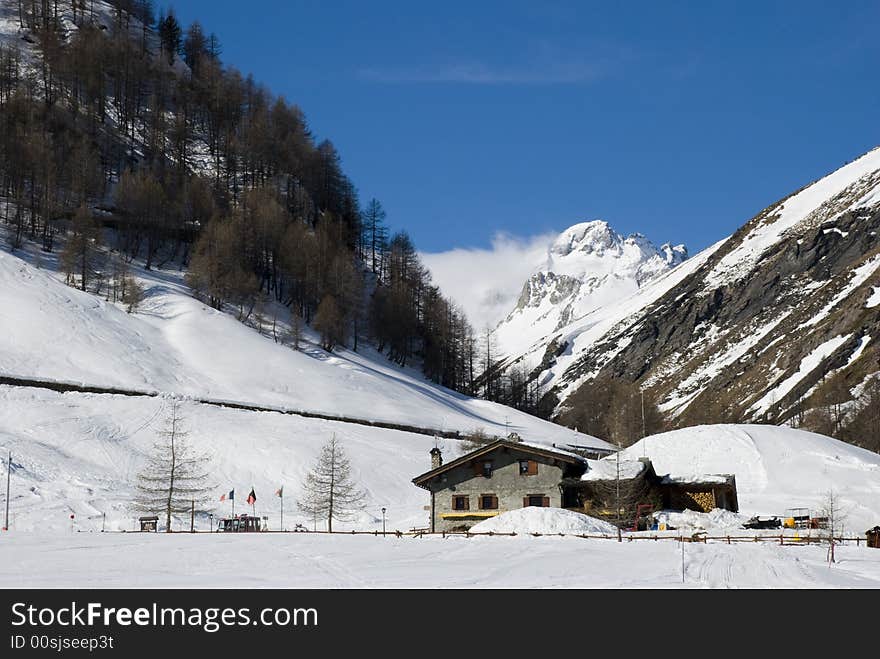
(524, 447)
(698, 479)
(607, 469)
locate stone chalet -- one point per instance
(508, 473)
(500, 476)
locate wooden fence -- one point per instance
(780, 539)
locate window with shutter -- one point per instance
(488, 502)
(461, 502)
(528, 467)
(537, 500)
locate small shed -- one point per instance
(700, 493)
(149, 523)
(873, 536)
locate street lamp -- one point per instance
(211, 521)
(383, 521)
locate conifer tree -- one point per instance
(80, 255)
(174, 479)
(329, 491)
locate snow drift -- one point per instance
(543, 520)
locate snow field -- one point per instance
(303, 560)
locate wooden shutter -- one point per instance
(480, 501)
(525, 502)
(494, 502)
(467, 503)
(546, 502)
(478, 467)
(533, 467)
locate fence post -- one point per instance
(780, 538)
(619, 536)
(728, 539)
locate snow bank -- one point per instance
(543, 520)
(716, 521)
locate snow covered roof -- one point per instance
(701, 479)
(527, 447)
(606, 469)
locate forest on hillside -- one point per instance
(124, 136)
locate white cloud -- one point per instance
(478, 73)
(486, 283)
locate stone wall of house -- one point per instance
(506, 483)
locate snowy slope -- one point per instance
(80, 454)
(748, 327)
(587, 267)
(775, 467)
(177, 345)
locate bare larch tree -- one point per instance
(329, 491)
(174, 479)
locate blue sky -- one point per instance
(679, 120)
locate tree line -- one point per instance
(136, 132)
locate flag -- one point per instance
(252, 497)
(279, 492)
(230, 496)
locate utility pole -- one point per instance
(644, 433)
(681, 542)
(8, 476)
(617, 485)
(192, 517)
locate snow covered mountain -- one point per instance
(751, 327)
(587, 266)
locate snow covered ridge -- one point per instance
(855, 185)
(748, 327)
(587, 267)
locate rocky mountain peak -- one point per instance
(587, 265)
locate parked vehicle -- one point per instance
(758, 522)
(240, 524)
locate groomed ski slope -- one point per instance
(175, 344)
